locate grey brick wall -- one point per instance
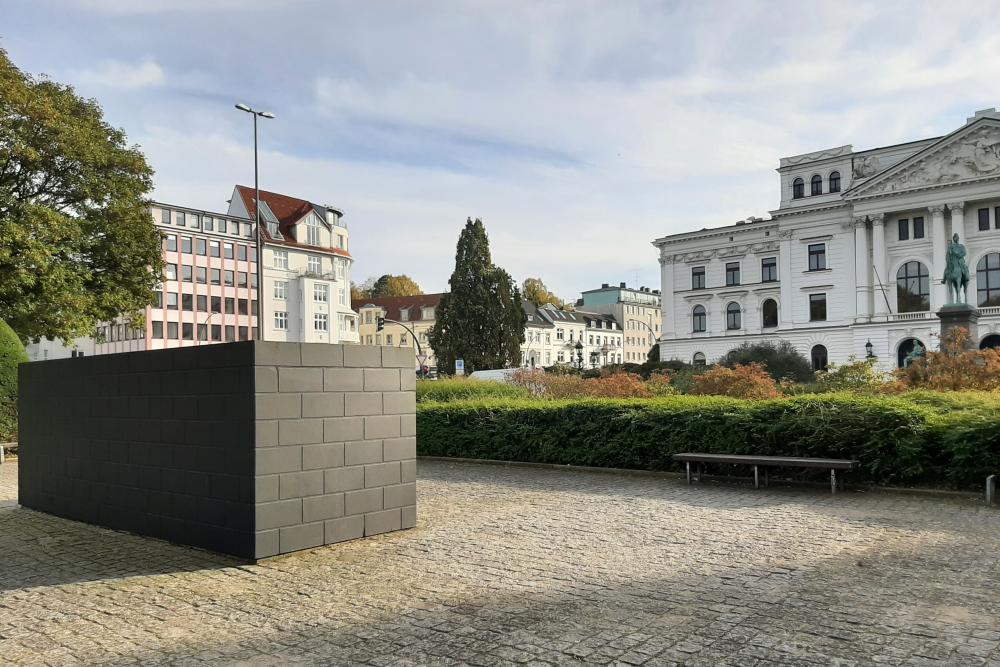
(253, 449)
(335, 444)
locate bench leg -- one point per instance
(766, 483)
(833, 480)
(991, 489)
(688, 465)
(756, 478)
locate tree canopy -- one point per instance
(481, 319)
(535, 291)
(383, 286)
(780, 359)
(77, 242)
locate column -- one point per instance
(667, 329)
(861, 272)
(787, 306)
(880, 291)
(957, 221)
(940, 244)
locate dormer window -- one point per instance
(313, 231)
(798, 188)
(835, 181)
(428, 313)
(816, 185)
(404, 314)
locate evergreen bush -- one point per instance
(11, 354)
(781, 359)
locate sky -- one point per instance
(578, 130)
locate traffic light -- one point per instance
(381, 324)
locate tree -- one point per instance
(481, 319)
(11, 354)
(389, 285)
(535, 291)
(781, 360)
(77, 242)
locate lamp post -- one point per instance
(579, 354)
(869, 354)
(205, 322)
(256, 209)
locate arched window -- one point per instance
(769, 313)
(904, 350)
(698, 318)
(990, 342)
(913, 288)
(816, 185)
(798, 188)
(834, 181)
(988, 280)
(698, 359)
(819, 357)
(733, 316)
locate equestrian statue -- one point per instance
(956, 272)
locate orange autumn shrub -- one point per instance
(740, 381)
(955, 367)
(609, 385)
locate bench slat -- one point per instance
(786, 461)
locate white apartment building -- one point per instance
(638, 312)
(854, 254)
(306, 268)
(551, 336)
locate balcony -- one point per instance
(910, 317)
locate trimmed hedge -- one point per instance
(919, 439)
(458, 389)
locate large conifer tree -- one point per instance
(480, 320)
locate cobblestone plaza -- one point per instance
(513, 565)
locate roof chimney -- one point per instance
(604, 285)
(622, 285)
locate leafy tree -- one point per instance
(480, 320)
(781, 360)
(389, 285)
(77, 242)
(535, 291)
(11, 354)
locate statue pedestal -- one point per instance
(955, 315)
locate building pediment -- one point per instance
(971, 153)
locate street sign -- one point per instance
(460, 367)
(421, 359)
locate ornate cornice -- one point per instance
(957, 206)
(936, 209)
(727, 252)
(876, 218)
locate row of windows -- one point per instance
(768, 268)
(321, 321)
(207, 247)
(768, 309)
(203, 303)
(815, 185)
(206, 222)
(206, 276)
(315, 263)
(112, 333)
(903, 228)
(188, 331)
(321, 292)
(913, 288)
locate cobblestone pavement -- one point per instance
(530, 566)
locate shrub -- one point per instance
(955, 367)
(750, 381)
(855, 375)
(456, 389)
(919, 439)
(780, 359)
(11, 354)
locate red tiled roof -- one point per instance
(288, 211)
(392, 305)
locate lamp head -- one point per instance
(243, 107)
(266, 114)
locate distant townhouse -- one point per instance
(636, 309)
(402, 314)
(552, 336)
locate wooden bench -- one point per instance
(757, 462)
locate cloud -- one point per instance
(121, 75)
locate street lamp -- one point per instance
(869, 354)
(579, 354)
(256, 208)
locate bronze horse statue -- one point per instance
(956, 272)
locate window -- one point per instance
(202, 332)
(339, 264)
(996, 217)
(698, 319)
(281, 289)
(187, 331)
(202, 304)
(427, 313)
(404, 314)
(216, 332)
(241, 279)
(187, 302)
(316, 265)
(180, 219)
(320, 323)
(798, 188)
(819, 357)
(698, 277)
(230, 278)
(321, 292)
(230, 306)
(834, 181)
(165, 216)
(216, 306)
(227, 250)
(817, 256)
(230, 333)
(172, 330)
(904, 229)
(403, 340)
(560, 335)
(918, 227)
(984, 219)
(733, 316)
(216, 276)
(732, 273)
(913, 288)
(201, 274)
(817, 307)
(213, 248)
(157, 329)
(187, 274)
(281, 259)
(242, 306)
(388, 339)
(769, 270)
(281, 320)
(988, 280)
(222, 224)
(171, 300)
(769, 313)
(698, 359)
(312, 232)
(201, 247)
(816, 185)
(195, 221)
(341, 241)
(244, 333)
(186, 244)
(241, 253)
(170, 242)
(157, 299)
(170, 271)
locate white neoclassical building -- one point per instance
(854, 254)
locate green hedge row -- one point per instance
(920, 439)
